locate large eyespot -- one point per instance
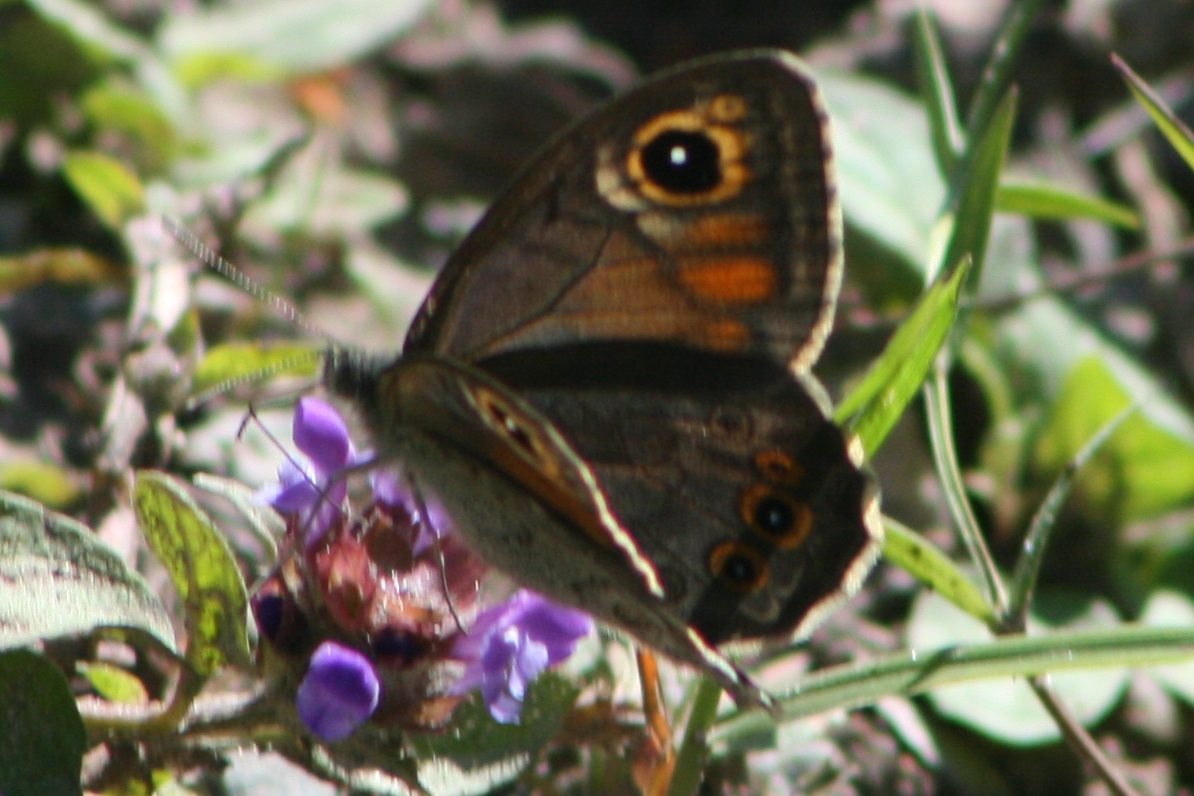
(680, 158)
(738, 566)
(780, 518)
(682, 161)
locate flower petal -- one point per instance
(321, 434)
(339, 692)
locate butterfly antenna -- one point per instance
(425, 518)
(189, 241)
(288, 365)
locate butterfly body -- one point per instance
(608, 387)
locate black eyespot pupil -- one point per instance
(739, 569)
(774, 516)
(683, 162)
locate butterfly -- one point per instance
(608, 388)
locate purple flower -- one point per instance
(312, 488)
(511, 643)
(339, 692)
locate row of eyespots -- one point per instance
(769, 512)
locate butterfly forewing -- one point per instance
(696, 209)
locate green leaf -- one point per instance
(112, 191)
(88, 25)
(975, 206)
(1172, 609)
(1044, 200)
(1146, 468)
(41, 747)
(1040, 530)
(910, 551)
(990, 93)
(938, 92)
(915, 672)
(40, 480)
(114, 684)
(480, 753)
(57, 578)
(1007, 710)
(64, 266)
(234, 363)
(116, 107)
(1177, 133)
(875, 405)
(890, 187)
(39, 64)
(296, 36)
(201, 567)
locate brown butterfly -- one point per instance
(608, 387)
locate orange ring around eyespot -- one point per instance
(778, 467)
(799, 527)
(732, 146)
(721, 556)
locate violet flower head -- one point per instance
(312, 490)
(511, 644)
(339, 692)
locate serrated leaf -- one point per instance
(1007, 710)
(111, 191)
(1044, 200)
(57, 578)
(41, 747)
(232, 363)
(874, 406)
(201, 567)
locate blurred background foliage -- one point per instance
(337, 151)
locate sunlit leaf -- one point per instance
(910, 551)
(1176, 132)
(232, 363)
(112, 191)
(877, 402)
(114, 684)
(295, 35)
(201, 567)
(480, 753)
(40, 480)
(58, 579)
(1044, 200)
(65, 266)
(1145, 468)
(1007, 710)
